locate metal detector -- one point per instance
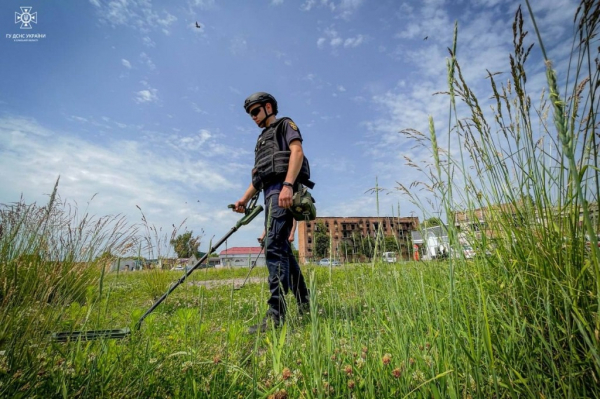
(252, 210)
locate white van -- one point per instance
(389, 257)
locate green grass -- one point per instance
(520, 321)
(376, 333)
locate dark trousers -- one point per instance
(284, 271)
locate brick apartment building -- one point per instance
(343, 228)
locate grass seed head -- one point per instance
(360, 362)
(387, 358)
(279, 395)
(418, 376)
(185, 366)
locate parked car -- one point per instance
(468, 251)
(328, 262)
(588, 242)
(389, 257)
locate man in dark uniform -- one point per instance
(277, 171)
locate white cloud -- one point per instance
(146, 60)
(148, 42)
(167, 20)
(149, 95)
(146, 96)
(308, 5)
(238, 45)
(126, 63)
(345, 9)
(354, 41)
(169, 186)
(335, 40)
(203, 4)
(136, 14)
(78, 118)
(197, 109)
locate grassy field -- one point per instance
(387, 331)
(520, 320)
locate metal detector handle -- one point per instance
(249, 216)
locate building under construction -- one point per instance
(349, 234)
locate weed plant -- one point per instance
(51, 257)
(527, 188)
(521, 320)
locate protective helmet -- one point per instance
(260, 98)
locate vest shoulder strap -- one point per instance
(279, 125)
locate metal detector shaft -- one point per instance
(243, 221)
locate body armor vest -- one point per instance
(271, 163)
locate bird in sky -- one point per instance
(198, 25)
(426, 37)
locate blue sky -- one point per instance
(131, 104)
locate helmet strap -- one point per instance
(267, 116)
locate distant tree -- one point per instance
(104, 256)
(431, 222)
(185, 245)
(390, 244)
(367, 246)
(321, 241)
(348, 249)
(295, 252)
